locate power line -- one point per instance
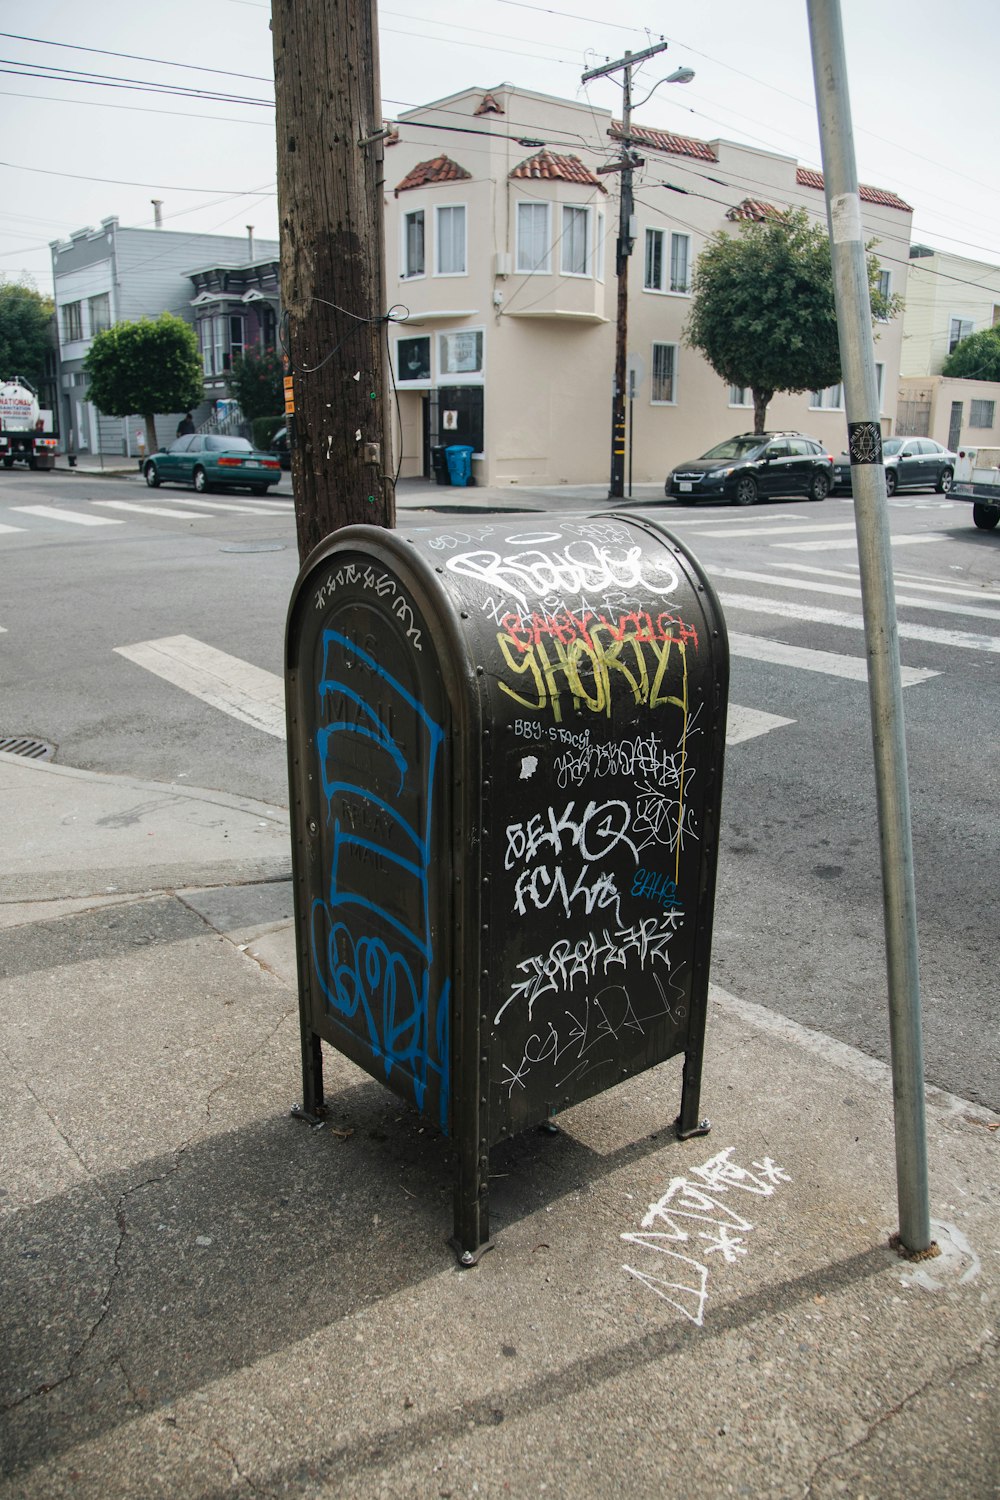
(161, 62)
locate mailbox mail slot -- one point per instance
(505, 758)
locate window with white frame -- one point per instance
(982, 413)
(236, 338)
(575, 256)
(413, 360)
(958, 329)
(100, 313)
(219, 345)
(207, 347)
(414, 262)
(72, 321)
(663, 387)
(652, 279)
(680, 257)
(460, 353)
(883, 286)
(740, 395)
(533, 248)
(599, 248)
(450, 226)
(831, 398)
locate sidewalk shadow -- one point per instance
(127, 1293)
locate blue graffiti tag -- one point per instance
(373, 947)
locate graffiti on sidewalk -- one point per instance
(705, 1213)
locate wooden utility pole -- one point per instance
(333, 331)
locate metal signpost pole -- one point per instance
(857, 354)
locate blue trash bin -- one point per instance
(459, 463)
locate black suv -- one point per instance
(754, 465)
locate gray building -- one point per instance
(113, 275)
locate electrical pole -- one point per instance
(857, 354)
(330, 208)
(627, 162)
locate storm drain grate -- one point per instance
(21, 744)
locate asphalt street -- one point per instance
(144, 637)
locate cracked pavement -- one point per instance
(203, 1296)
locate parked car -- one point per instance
(281, 448)
(754, 465)
(910, 464)
(209, 461)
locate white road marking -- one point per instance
(747, 723)
(911, 632)
(725, 514)
(246, 509)
(788, 530)
(11, 528)
(225, 682)
(153, 510)
(807, 585)
(53, 513)
(911, 580)
(895, 541)
(854, 668)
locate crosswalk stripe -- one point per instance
(53, 513)
(831, 542)
(225, 682)
(779, 653)
(725, 515)
(808, 585)
(910, 580)
(748, 723)
(153, 510)
(245, 510)
(10, 528)
(786, 611)
(789, 530)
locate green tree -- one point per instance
(255, 381)
(149, 366)
(976, 357)
(25, 332)
(763, 310)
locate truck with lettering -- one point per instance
(26, 434)
(978, 479)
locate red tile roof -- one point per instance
(426, 173)
(489, 106)
(806, 177)
(545, 166)
(665, 140)
(755, 210)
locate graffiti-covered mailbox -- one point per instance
(505, 749)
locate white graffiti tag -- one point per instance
(697, 1215)
(576, 568)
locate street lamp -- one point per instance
(625, 165)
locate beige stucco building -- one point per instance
(501, 231)
(948, 298)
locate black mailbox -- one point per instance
(505, 758)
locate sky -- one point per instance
(82, 137)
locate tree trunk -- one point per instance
(761, 401)
(151, 440)
(330, 208)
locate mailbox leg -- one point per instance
(689, 1122)
(471, 1239)
(312, 1108)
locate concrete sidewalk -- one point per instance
(202, 1296)
(423, 494)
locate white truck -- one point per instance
(977, 478)
(26, 434)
